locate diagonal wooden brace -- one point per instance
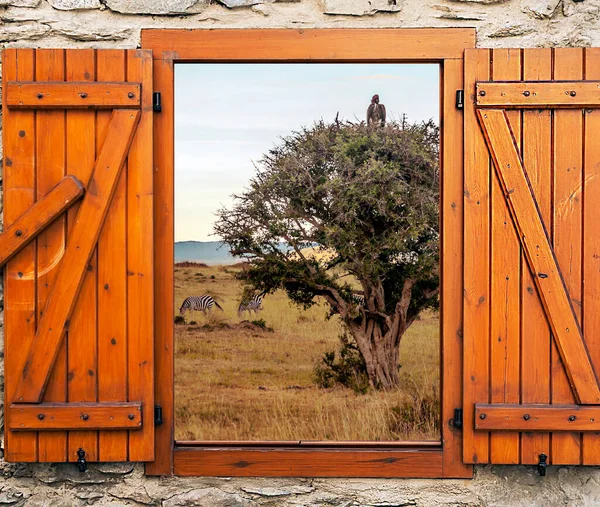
(36, 218)
(82, 241)
(526, 215)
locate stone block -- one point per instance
(360, 7)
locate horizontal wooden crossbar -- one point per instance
(72, 95)
(42, 213)
(505, 417)
(538, 94)
(76, 416)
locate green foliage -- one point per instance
(368, 197)
(346, 367)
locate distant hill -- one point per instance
(209, 252)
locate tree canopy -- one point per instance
(337, 210)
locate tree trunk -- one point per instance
(381, 351)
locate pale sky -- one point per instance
(228, 115)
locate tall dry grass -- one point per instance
(239, 381)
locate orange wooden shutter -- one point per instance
(532, 256)
(79, 297)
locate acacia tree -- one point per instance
(338, 205)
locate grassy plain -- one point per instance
(235, 380)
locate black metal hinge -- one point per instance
(156, 102)
(460, 99)
(158, 420)
(457, 421)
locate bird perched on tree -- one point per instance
(376, 112)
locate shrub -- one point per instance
(345, 367)
(179, 319)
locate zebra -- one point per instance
(358, 299)
(203, 303)
(251, 304)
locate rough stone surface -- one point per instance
(20, 3)
(360, 7)
(70, 5)
(164, 7)
(117, 24)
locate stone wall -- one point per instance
(117, 24)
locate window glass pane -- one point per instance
(306, 241)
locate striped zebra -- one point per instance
(203, 303)
(358, 299)
(251, 304)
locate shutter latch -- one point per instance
(460, 99)
(158, 418)
(81, 462)
(457, 422)
(156, 102)
(542, 465)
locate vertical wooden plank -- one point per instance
(82, 340)
(591, 243)
(112, 280)
(163, 277)
(50, 163)
(536, 341)
(567, 227)
(505, 284)
(140, 265)
(451, 208)
(476, 312)
(19, 273)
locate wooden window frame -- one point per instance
(443, 46)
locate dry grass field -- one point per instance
(235, 380)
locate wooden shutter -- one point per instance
(79, 297)
(532, 256)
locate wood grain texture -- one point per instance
(164, 283)
(82, 352)
(18, 130)
(284, 45)
(112, 279)
(84, 418)
(41, 214)
(74, 95)
(140, 261)
(307, 463)
(50, 169)
(536, 244)
(536, 152)
(591, 244)
(505, 267)
(537, 417)
(94, 207)
(538, 95)
(476, 312)
(567, 230)
(353, 45)
(451, 263)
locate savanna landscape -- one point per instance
(254, 378)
